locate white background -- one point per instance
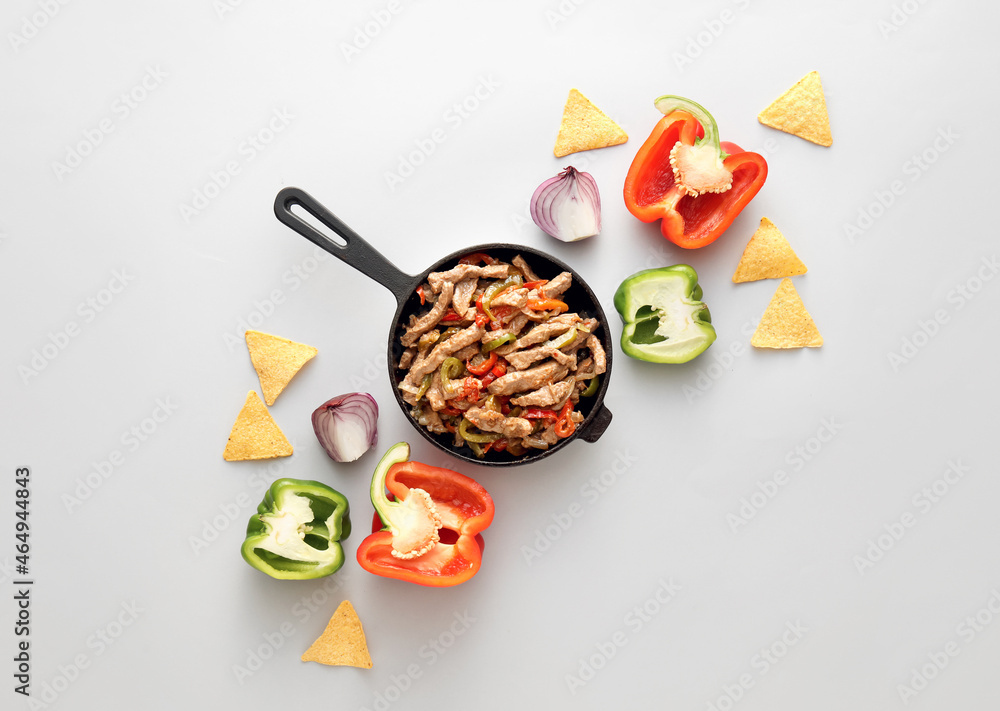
(160, 533)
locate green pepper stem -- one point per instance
(668, 104)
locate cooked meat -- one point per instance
(518, 298)
(435, 393)
(597, 350)
(524, 380)
(431, 420)
(442, 350)
(463, 295)
(407, 358)
(585, 370)
(557, 285)
(437, 280)
(467, 352)
(529, 275)
(492, 421)
(429, 320)
(522, 359)
(546, 395)
(544, 331)
(589, 326)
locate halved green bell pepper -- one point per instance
(296, 532)
(665, 319)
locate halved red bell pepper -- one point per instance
(684, 176)
(430, 526)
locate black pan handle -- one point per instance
(594, 430)
(356, 252)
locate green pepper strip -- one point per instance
(591, 388)
(478, 438)
(449, 369)
(495, 288)
(496, 343)
(425, 384)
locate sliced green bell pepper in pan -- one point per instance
(665, 319)
(296, 532)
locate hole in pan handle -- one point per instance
(350, 248)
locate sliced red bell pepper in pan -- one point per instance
(684, 176)
(429, 526)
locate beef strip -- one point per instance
(522, 359)
(557, 285)
(435, 393)
(437, 280)
(597, 350)
(407, 358)
(544, 331)
(435, 358)
(517, 298)
(546, 395)
(463, 295)
(492, 421)
(531, 379)
(429, 320)
(529, 275)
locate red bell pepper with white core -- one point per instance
(684, 176)
(430, 527)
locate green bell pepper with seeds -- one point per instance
(296, 532)
(665, 319)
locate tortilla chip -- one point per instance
(801, 111)
(786, 323)
(768, 256)
(342, 642)
(255, 435)
(584, 127)
(276, 361)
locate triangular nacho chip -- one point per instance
(801, 111)
(255, 435)
(768, 256)
(584, 126)
(786, 323)
(342, 642)
(276, 361)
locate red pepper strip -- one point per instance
(499, 445)
(448, 426)
(483, 367)
(565, 425)
(471, 391)
(481, 320)
(450, 316)
(535, 284)
(499, 314)
(651, 193)
(547, 305)
(476, 258)
(465, 508)
(479, 304)
(498, 370)
(536, 413)
(420, 293)
(453, 411)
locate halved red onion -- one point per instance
(346, 425)
(568, 206)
